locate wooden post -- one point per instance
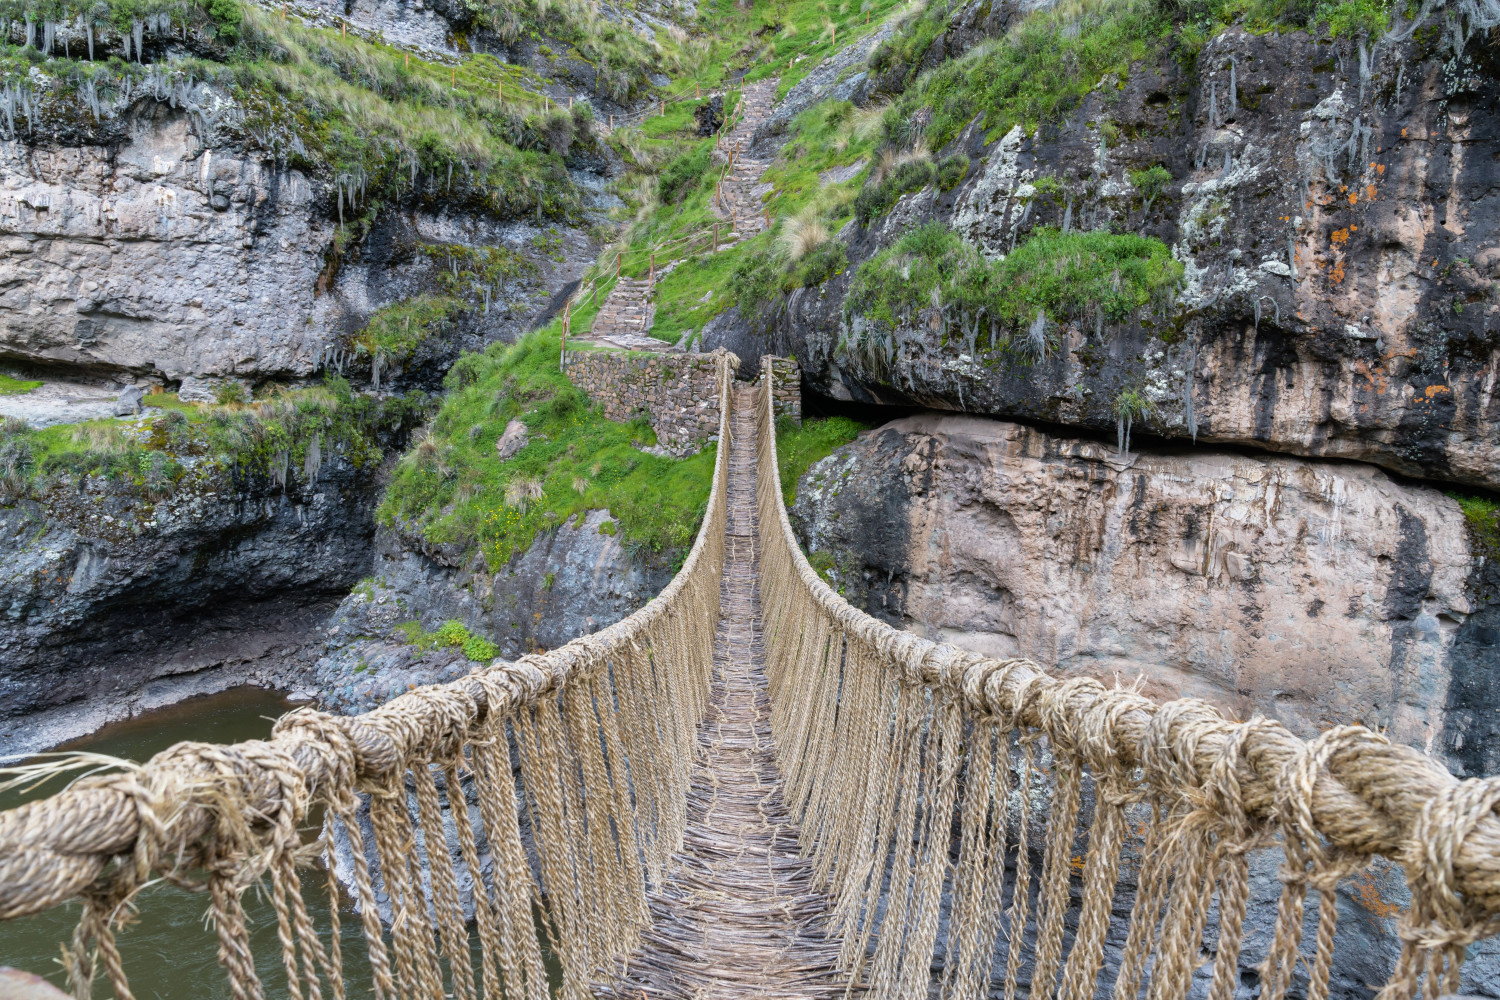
(454, 78)
(611, 123)
(546, 104)
(570, 102)
(716, 237)
(664, 107)
(407, 60)
(343, 29)
(651, 275)
(719, 194)
(617, 262)
(833, 34)
(562, 354)
(697, 92)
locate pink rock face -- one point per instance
(1316, 593)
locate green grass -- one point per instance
(1483, 517)
(695, 292)
(378, 123)
(1042, 69)
(800, 448)
(451, 488)
(269, 437)
(452, 634)
(393, 332)
(1080, 276)
(17, 387)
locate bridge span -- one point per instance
(751, 788)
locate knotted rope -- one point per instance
(604, 729)
(921, 777)
(1098, 774)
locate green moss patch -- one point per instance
(287, 435)
(1483, 517)
(452, 634)
(1050, 279)
(16, 386)
(800, 448)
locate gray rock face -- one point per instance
(570, 582)
(1382, 346)
(108, 598)
(1313, 593)
(161, 258)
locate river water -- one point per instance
(170, 952)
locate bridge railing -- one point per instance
(603, 729)
(930, 783)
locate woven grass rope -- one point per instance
(972, 826)
(915, 770)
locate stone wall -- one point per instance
(786, 385)
(676, 392)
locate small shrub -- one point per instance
(1483, 517)
(449, 635)
(680, 177)
(951, 171)
(879, 198)
(230, 394)
(1150, 183)
(823, 263)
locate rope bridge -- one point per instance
(749, 784)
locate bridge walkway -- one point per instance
(738, 913)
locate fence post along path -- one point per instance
(604, 728)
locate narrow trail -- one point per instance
(737, 915)
(624, 320)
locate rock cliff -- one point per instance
(114, 600)
(571, 581)
(1315, 592)
(1329, 202)
(155, 257)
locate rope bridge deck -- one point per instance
(749, 786)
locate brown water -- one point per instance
(170, 952)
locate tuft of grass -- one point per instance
(1052, 275)
(17, 387)
(452, 634)
(1483, 517)
(453, 489)
(799, 448)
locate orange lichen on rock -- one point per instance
(1367, 893)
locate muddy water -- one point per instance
(170, 952)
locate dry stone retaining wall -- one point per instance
(786, 385)
(676, 392)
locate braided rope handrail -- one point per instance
(234, 810)
(1337, 802)
(603, 730)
